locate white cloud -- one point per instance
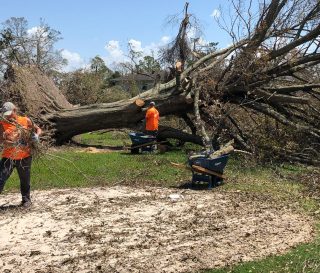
(202, 42)
(38, 33)
(136, 45)
(33, 31)
(192, 33)
(114, 53)
(152, 49)
(215, 13)
(165, 39)
(113, 47)
(74, 60)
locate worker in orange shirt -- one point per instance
(16, 135)
(152, 120)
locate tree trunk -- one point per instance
(121, 114)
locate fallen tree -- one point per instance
(266, 77)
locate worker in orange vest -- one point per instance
(16, 135)
(152, 120)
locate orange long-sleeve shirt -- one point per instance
(13, 132)
(152, 119)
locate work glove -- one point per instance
(35, 137)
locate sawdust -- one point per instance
(123, 229)
(93, 150)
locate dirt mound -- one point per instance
(122, 229)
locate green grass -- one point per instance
(62, 169)
(109, 138)
(260, 179)
(65, 168)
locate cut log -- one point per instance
(139, 102)
(206, 171)
(226, 149)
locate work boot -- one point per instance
(26, 204)
(154, 148)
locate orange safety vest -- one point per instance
(152, 119)
(18, 150)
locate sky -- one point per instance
(104, 27)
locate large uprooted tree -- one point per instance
(267, 78)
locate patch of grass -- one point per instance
(304, 258)
(65, 169)
(260, 180)
(278, 183)
(105, 138)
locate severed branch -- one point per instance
(199, 122)
(189, 122)
(293, 88)
(275, 98)
(266, 109)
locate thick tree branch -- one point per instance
(275, 98)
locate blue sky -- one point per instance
(104, 28)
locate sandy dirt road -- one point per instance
(124, 229)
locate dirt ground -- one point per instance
(123, 229)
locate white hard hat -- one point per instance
(7, 108)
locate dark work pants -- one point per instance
(23, 167)
(152, 133)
